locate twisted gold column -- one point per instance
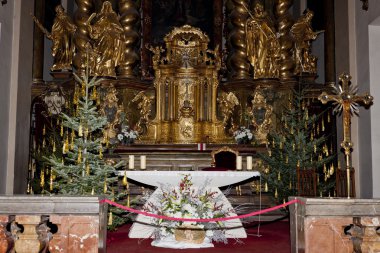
(238, 64)
(129, 21)
(285, 22)
(81, 38)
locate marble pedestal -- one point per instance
(332, 225)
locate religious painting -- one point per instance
(167, 14)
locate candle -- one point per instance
(239, 163)
(143, 162)
(249, 162)
(131, 164)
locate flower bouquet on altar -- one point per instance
(127, 135)
(243, 135)
(186, 201)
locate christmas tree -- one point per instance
(82, 169)
(298, 142)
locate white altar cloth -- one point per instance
(219, 178)
(143, 228)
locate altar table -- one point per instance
(142, 227)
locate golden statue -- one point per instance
(302, 34)
(227, 103)
(156, 53)
(62, 33)
(263, 47)
(145, 107)
(109, 40)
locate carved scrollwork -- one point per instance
(261, 116)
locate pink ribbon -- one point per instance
(198, 219)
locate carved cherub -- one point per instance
(156, 53)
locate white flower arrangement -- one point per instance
(243, 135)
(186, 201)
(127, 135)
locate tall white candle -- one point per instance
(143, 162)
(249, 162)
(131, 164)
(239, 161)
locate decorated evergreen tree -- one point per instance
(298, 142)
(82, 170)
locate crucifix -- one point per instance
(346, 101)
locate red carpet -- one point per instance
(275, 239)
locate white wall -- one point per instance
(374, 65)
(16, 54)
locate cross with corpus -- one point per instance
(347, 101)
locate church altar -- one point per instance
(143, 228)
(219, 178)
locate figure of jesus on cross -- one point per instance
(346, 100)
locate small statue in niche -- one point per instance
(109, 40)
(62, 33)
(261, 114)
(302, 34)
(263, 46)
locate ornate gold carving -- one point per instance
(129, 20)
(238, 64)
(261, 114)
(109, 40)
(81, 38)
(303, 34)
(145, 107)
(263, 47)
(156, 54)
(285, 22)
(186, 81)
(112, 111)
